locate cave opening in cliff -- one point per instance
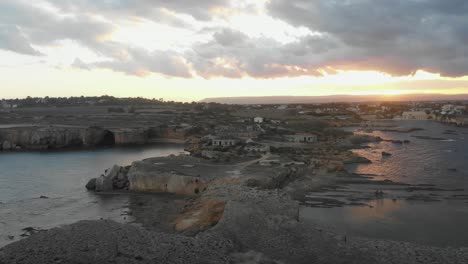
(108, 139)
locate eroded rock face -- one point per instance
(96, 136)
(130, 136)
(147, 177)
(41, 137)
(56, 137)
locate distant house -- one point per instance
(225, 141)
(419, 115)
(274, 121)
(5, 104)
(449, 109)
(258, 119)
(282, 107)
(256, 147)
(302, 138)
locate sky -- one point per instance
(190, 50)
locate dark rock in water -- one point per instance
(91, 185)
(453, 169)
(105, 182)
(11, 237)
(406, 141)
(429, 138)
(386, 154)
(394, 141)
(31, 230)
(28, 229)
(43, 197)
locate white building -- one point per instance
(258, 119)
(302, 138)
(459, 109)
(274, 121)
(450, 109)
(282, 107)
(418, 115)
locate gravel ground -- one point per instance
(257, 227)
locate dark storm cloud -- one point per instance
(398, 37)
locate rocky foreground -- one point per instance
(235, 213)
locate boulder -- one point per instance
(91, 185)
(105, 182)
(7, 145)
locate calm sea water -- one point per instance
(441, 161)
(61, 176)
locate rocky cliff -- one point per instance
(56, 137)
(41, 137)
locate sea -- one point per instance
(59, 177)
(435, 213)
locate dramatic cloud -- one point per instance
(24, 24)
(11, 38)
(233, 54)
(397, 37)
(141, 63)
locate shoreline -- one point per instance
(234, 208)
(250, 209)
(161, 142)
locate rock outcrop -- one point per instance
(130, 136)
(104, 182)
(7, 145)
(147, 177)
(57, 137)
(41, 137)
(114, 178)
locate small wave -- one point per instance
(448, 140)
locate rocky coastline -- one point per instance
(237, 198)
(227, 212)
(46, 137)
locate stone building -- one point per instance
(224, 141)
(302, 138)
(419, 115)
